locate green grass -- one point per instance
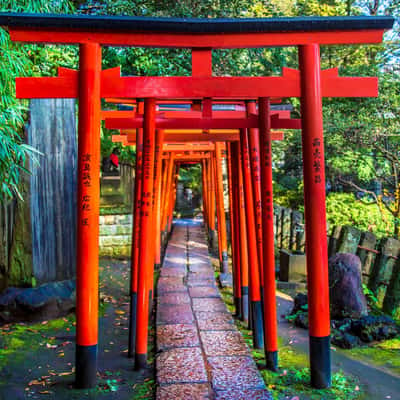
(145, 390)
(293, 378)
(115, 210)
(17, 338)
(384, 354)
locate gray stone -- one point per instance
(345, 288)
(292, 266)
(50, 300)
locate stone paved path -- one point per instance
(201, 354)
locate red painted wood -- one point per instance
(113, 85)
(201, 62)
(254, 289)
(217, 40)
(130, 139)
(87, 267)
(270, 317)
(314, 192)
(254, 154)
(146, 256)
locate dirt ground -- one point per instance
(37, 361)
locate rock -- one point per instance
(225, 280)
(301, 320)
(345, 340)
(375, 328)
(300, 303)
(47, 301)
(345, 288)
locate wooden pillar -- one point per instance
(315, 215)
(254, 153)
(87, 264)
(167, 198)
(254, 289)
(233, 158)
(135, 242)
(244, 260)
(223, 245)
(157, 197)
(211, 187)
(270, 317)
(146, 257)
(204, 193)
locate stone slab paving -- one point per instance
(201, 354)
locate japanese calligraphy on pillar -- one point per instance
(138, 181)
(86, 179)
(267, 164)
(317, 160)
(146, 174)
(255, 167)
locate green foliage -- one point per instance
(369, 294)
(344, 209)
(127, 153)
(191, 177)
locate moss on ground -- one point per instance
(384, 354)
(18, 338)
(293, 378)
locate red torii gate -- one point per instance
(201, 35)
(246, 119)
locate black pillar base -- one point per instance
(245, 304)
(132, 325)
(271, 360)
(258, 324)
(320, 362)
(157, 267)
(140, 361)
(86, 366)
(238, 307)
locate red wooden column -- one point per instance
(162, 196)
(270, 318)
(172, 200)
(135, 242)
(254, 272)
(211, 188)
(204, 192)
(167, 198)
(157, 198)
(254, 147)
(233, 158)
(222, 245)
(217, 205)
(244, 260)
(315, 215)
(87, 263)
(230, 198)
(146, 257)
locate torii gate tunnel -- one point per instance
(245, 134)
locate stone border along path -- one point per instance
(201, 354)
